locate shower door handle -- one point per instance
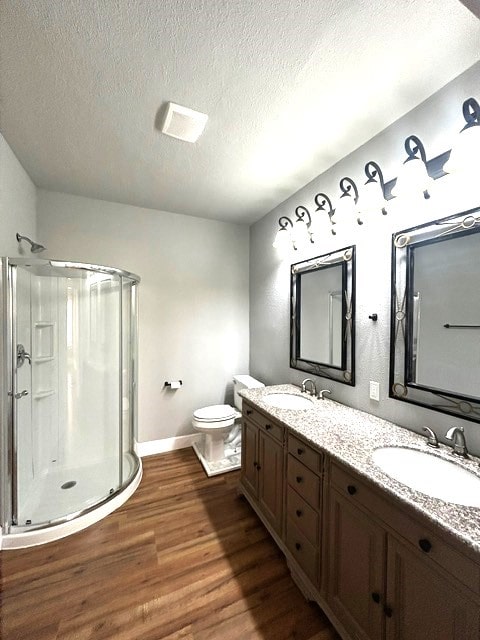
(22, 355)
(21, 394)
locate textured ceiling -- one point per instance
(290, 87)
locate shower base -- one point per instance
(230, 462)
(64, 491)
(48, 501)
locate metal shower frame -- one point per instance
(8, 440)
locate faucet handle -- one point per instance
(321, 394)
(432, 440)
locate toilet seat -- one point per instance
(214, 413)
(217, 425)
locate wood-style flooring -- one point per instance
(185, 558)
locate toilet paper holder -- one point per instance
(173, 384)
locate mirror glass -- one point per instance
(321, 315)
(322, 308)
(435, 340)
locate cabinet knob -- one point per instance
(425, 545)
(299, 479)
(268, 427)
(249, 412)
(298, 546)
(300, 451)
(388, 611)
(376, 597)
(258, 467)
(352, 490)
(298, 513)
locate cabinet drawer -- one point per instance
(267, 424)
(304, 553)
(304, 481)
(306, 518)
(305, 453)
(435, 550)
(349, 484)
(400, 518)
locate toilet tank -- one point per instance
(243, 382)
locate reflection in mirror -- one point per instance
(322, 315)
(435, 327)
(320, 337)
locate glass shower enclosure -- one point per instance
(69, 371)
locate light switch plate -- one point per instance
(374, 391)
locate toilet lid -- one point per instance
(214, 413)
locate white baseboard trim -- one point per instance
(166, 444)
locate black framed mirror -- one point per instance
(435, 315)
(322, 316)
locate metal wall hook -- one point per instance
(413, 147)
(471, 113)
(346, 186)
(303, 215)
(321, 205)
(374, 175)
(284, 221)
(373, 317)
(301, 212)
(321, 199)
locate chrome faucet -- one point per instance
(432, 440)
(313, 388)
(457, 435)
(321, 394)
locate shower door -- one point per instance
(67, 401)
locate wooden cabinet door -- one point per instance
(270, 479)
(356, 579)
(249, 457)
(422, 604)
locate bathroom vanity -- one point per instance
(382, 560)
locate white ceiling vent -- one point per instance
(183, 123)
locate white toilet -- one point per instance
(220, 424)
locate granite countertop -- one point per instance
(350, 436)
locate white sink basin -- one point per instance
(288, 401)
(430, 474)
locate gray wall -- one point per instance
(193, 315)
(437, 122)
(17, 203)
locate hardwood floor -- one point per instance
(184, 558)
